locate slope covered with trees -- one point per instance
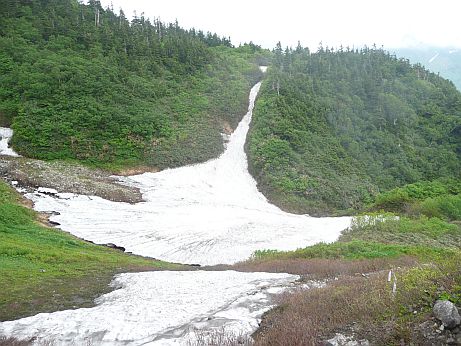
(334, 128)
(82, 82)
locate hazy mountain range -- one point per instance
(446, 61)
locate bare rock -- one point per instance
(447, 313)
(342, 340)
(116, 247)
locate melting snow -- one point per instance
(5, 136)
(158, 308)
(434, 57)
(205, 214)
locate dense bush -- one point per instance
(82, 82)
(334, 128)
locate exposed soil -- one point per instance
(138, 170)
(67, 177)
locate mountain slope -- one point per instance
(81, 82)
(332, 129)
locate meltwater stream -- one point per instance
(206, 214)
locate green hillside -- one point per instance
(334, 128)
(82, 82)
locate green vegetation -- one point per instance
(43, 269)
(428, 227)
(332, 129)
(354, 249)
(361, 301)
(81, 82)
(435, 198)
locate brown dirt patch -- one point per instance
(137, 170)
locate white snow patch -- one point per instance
(452, 51)
(207, 213)
(434, 57)
(5, 136)
(158, 308)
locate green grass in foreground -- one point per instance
(43, 269)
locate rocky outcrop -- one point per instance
(343, 340)
(116, 247)
(447, 313)
(59, 176)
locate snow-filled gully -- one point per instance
(205, 214)
(5, 136)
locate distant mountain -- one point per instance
(446, 61)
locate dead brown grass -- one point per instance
(310, 316)
(365, 307)
(323, 268)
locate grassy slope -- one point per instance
(43, 269)
(422, 248)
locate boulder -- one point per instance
(47, 191)
(116, 247)
(447, 313)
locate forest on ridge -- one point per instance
(332, 129)
(83, 82)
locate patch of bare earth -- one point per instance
(137, 170)
(16, 342)
(227, 128)
(13, 342)
(67, 177)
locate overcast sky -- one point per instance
(392, 23)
